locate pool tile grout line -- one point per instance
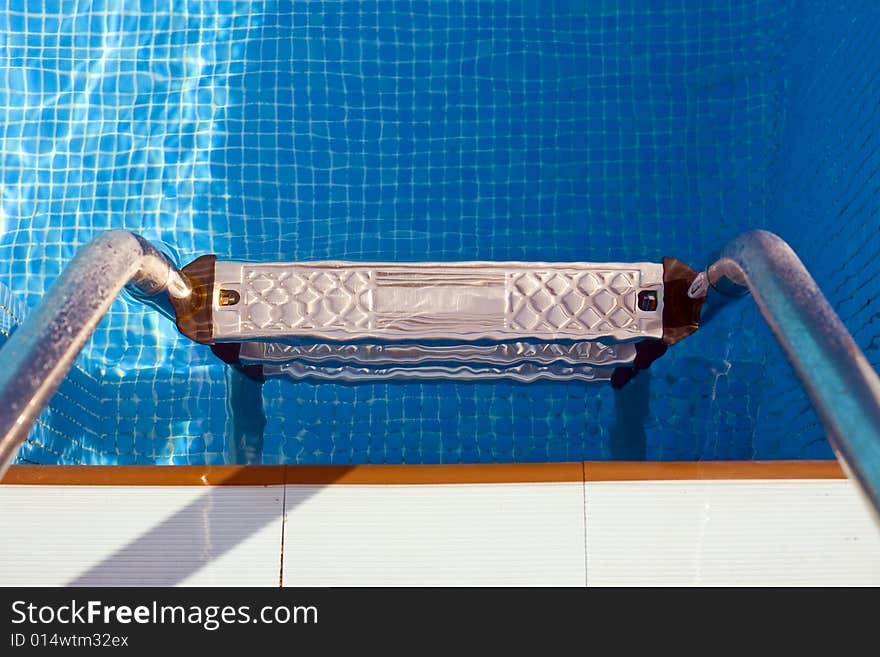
(283, 528)
(584, 500)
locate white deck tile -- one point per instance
(757, 532)
(475, 534)
(147, 535)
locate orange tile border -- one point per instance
(703, 470)
(145, 475)
(268, 475)
(274, 475)
(483, 473)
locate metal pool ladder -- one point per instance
(525, 321)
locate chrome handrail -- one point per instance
(841, 383)
(39, 354)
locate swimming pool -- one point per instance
(406, 131)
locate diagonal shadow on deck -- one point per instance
(192, 537)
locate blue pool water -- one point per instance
(439, 130)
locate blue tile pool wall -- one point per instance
(109, 114)
(824, 191)
(511, 131)
(438, 130)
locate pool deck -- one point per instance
(567, 524)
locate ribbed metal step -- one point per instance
(456, 302)
(502, 355)
(519, 361)
(524, 373)
(526, 321)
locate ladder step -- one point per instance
(524, 373)
(504, 355)
(455, 302)
(525, 321)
